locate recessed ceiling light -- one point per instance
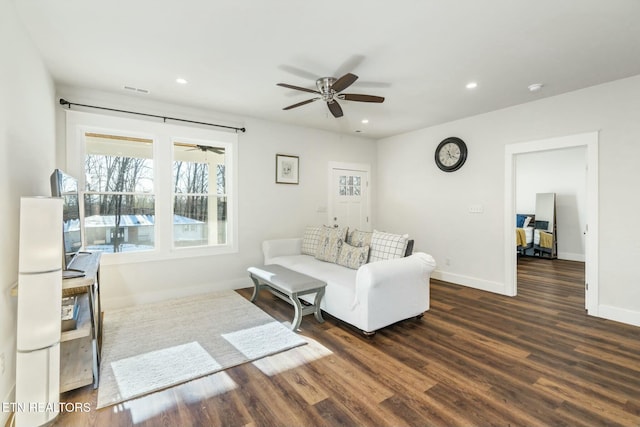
(181, 81)
(472, 85)
(365, 121)
(535, 87)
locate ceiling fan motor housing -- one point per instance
(324, 87)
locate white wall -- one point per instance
(266, 210)
(433, 206)
(26, 160)
(562, 172)
(414, 196)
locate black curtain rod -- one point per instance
(164, 118)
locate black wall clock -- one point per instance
(451, 154)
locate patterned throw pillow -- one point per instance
(353, 256)
(359, 238)
(310, 240)
(331, 240)
(387, 246)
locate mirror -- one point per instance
(545, 243)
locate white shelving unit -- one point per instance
(80, 347)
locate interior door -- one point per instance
(349, 199)
(587, 294)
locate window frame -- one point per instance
(84, 191)
(163, 135)
(227, 146)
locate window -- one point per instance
(200, 200)
(153, 190)
(119, 201)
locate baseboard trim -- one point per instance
(571, 256)
(471, 282)
(618, 314)
(165, 294)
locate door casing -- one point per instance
(590, 141)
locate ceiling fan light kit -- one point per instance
(328, 89)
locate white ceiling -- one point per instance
(418, 54)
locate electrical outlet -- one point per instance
(2, 363)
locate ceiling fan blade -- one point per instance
(209, 148)
(361, 98)
(194, 147)
(335, 108)
(350, 64)
(304, 89)
(344, 82)
(299, 104)
(299, 72)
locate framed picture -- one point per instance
(287, 171)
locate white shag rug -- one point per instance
(154, 346)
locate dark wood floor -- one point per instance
(474, 359)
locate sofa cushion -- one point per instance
(353, 256)
(387, 246)
(330, 242)
(341, 283)
(310, 240)
(359, 238)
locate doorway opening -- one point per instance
(590, 142)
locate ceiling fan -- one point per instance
(204, 148)
(328, 89)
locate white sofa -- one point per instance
(375, 295)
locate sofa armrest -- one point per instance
(394, 289)
(413, 268)
(281, 247)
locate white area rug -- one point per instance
(154, 346)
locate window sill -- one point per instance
(158, 255)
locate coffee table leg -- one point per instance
(297, 317)
(316, 303)
(256, 288)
